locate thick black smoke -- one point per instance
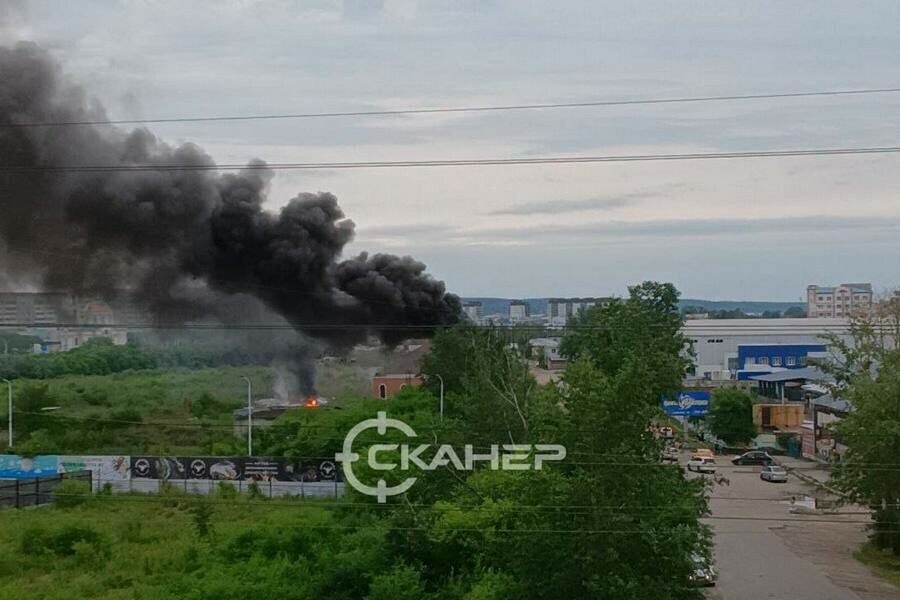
(183, 241)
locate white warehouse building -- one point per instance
(716, 341)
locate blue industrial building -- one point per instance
(758, 359)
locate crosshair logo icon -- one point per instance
(347, 457)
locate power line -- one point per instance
(868, 466)
(313, 501)
(464, 109)
(452, 162)
(315, 504)
(427, 326)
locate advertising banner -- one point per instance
(103, 468)
(213, 467)
(233, 468)
(688, 404)
(157, 467)
(17, 467)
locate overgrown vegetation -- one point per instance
(730, 416)
(156, 411)
(580, 528)
(99, 356)
(867, 369)
(885, 563)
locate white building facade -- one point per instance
(472, 310)
(560, 310)
(518, 310)
(716, 341)
(842, 301)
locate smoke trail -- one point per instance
(183, 241)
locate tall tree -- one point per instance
(641, 332)
(871, 433)
(866, 366)
(730, 416)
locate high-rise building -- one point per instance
(518, 310)
(472, 310)
(844, 300)
(560, 310)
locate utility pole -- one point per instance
(10, 418)
(249, 415)
(442, 396)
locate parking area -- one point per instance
(764, 550)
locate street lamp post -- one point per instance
(249, 415)
(10, 418)
(441, 379)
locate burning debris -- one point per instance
(188, 244)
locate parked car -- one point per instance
(670, 454)
(702, 464)
(703, 574)
(704, 452)
(754, 457)
(773, 473)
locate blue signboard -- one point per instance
(688, 404)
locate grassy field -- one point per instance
(170, 546)
(169, 411)
(884, 563)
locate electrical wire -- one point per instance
(302, 505)
(303, 426)
(7, 168)
(685, 329)
(464, 109)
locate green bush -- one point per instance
(402, 583)
(69, 493)
(37, 541)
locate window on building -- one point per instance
(803, 360)
(749, 361)
(776, 361)
(763, 360)
(382, 391)
(790, 361)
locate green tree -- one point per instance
(871, 433)
(486, 379)
(730, 416)
(641, 332)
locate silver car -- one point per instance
(773, 473)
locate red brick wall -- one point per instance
(392, 384)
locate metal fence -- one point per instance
(33, 491)
(268, 489)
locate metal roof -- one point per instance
(810, 373)
(836, 404)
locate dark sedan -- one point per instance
(754, 457)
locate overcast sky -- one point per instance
(756, 229)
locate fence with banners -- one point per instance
(33, 491)
(196, 474)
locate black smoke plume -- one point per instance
(184, 243)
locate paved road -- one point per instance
(791, 560)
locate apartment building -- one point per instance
(560, 310)
(842, 301)
(472, 310)
(518, 310)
